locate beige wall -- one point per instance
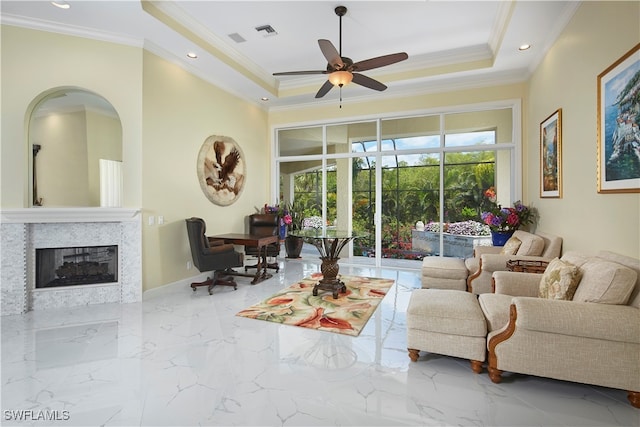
(432, 101)
(598, 34)
(104, 141)
(67, 164)
(180, 112)
(62, 160)
(34, 63)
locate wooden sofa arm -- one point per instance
(481, 280)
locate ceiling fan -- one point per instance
(343, 70)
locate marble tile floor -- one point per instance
(182, 358)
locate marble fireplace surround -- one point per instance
(25, 230)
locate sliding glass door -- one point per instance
(385, 178)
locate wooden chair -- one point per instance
(264, 225)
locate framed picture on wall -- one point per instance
(221, 170)
(551, 155)
(618, 121)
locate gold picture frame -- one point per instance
(618, 132)
(221, 170)
(551, 156)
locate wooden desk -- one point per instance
(251, 240)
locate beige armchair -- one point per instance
(488, 259)
(593, 338)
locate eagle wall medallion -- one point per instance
(221, 169)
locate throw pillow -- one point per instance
(559, 280)
(605, 282)
(532, 245)
(511, 247)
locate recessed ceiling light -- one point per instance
(192, 55)
(61, 4)
(524, 47)
(264, 98)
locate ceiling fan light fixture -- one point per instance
(340, 78)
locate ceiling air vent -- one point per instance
(237, 38)
(267, 30)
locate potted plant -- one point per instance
(293, 219)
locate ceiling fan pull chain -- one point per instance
(340, 96)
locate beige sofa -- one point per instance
(488, 259)
(592, 339)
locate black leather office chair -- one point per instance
(211, 255)
(264, 225)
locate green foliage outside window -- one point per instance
(410, 194)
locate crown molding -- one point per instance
(69, 30)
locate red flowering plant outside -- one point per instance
(505, 219)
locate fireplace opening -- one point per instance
(73, 266)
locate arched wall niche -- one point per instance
(74, 144)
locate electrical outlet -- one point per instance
(189, 265)
(160, 220)
(152, 220)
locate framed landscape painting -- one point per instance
(618, 121)
(551, 155)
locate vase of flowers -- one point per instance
(503, 222)
(281, 212)
(292, 218)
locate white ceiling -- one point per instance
(451, 44)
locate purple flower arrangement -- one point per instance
(505, 219)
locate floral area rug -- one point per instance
(347, 314)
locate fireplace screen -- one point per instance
(76, 266)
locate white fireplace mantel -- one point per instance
(49, 215)
(24, 231)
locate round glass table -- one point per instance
(329, 243)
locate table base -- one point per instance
(334, 285)
(252, 240)
(260, 275)
(330, 281)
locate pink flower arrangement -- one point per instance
(505, 219)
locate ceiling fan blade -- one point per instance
(365, 81)
(380, 61)
(300, 73)
(331, 53)
(326, 87)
